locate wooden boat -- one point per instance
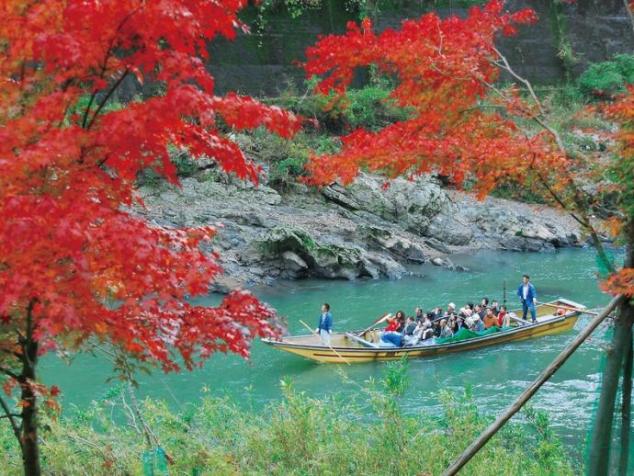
(353, 348)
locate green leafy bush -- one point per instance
(297, 435)
(286, 171)
(369, 107)
(608, 78)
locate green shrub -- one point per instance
(372, 108)
(298, 435)
(608, 78)
(286, 171)
(369, 107)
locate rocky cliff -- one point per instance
(364, 230)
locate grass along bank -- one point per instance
(298, 435)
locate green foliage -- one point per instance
(287, 166)
(268, 8)
(564, 47)
(511, 190)
(369, 107)
(608, 78)
(621, 171)
(396, 377)
(298, 435)
(185, 165)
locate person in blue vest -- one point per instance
(324, 329)
(528, 296)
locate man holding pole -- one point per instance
(528, 296)
(324, 329)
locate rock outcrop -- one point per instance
(364, 230)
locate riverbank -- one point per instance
(362, 231)
(372, 434)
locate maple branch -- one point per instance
(580, 197)
(108, 95)
(507, 67)
(104, 65)
(85, 118)
(558, 199)
(11, 417)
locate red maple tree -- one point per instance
(76, 261)
(463, 124)
(442, 70)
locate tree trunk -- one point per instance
(30, 446)
(602, 433)
(621, 343)
(626, 410)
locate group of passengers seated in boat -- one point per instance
(402, 331)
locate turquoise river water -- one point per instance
(496, 375)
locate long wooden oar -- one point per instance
(372, 325)
(331, 347)
(568, 308)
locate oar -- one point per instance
(331, 347)
(372, 325)
(562, 306)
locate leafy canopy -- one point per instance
(76, 260)
(443, 69)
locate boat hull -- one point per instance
(343, 350)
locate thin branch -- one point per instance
(85, 118)
(104, 65)
(10, 416)
(559, 200)
(506, 66)
(108, 95)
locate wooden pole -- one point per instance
(626, 408)
(548, 372)
(569, 308)
(602, 434)
(372, 325)
(599, 460)
(331, 347)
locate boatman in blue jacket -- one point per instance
(324, 329)
(528, 296)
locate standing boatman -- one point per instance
(528, 296)
(324, 329)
